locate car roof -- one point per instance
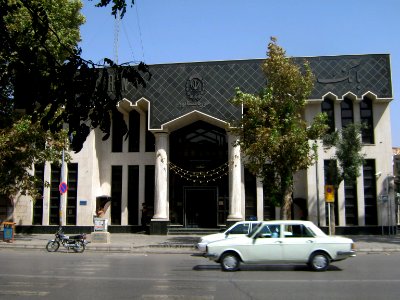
(240, 222)
(288, 222)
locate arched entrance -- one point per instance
(198, 176)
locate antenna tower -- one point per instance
(116, 36)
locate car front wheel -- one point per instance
(230, 262)
(319, 262)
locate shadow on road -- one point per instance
(270, 268)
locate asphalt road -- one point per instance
(42, 275)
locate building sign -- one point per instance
(100, 224)
(194, 88)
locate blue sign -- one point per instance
(63, 188)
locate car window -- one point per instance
(253, 225)
(297, 231)
(269, 231)
(240, 229)
(254, 229)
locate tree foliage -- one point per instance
(43, 74)
(348, 159)
(273, 134)
(23, 145)
(345, 164)
(118, 6)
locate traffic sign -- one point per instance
(329, 194)
(63, 187)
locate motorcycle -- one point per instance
(76, 242)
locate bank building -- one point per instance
(179, 169)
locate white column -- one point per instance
(124, 196)
(63, 197)
(260, 199)
(46, 194)
(141, 192)
(235, 180)
(161, 177)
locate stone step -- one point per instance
(172, 230)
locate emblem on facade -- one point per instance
(194, 88)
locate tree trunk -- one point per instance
(286, 209)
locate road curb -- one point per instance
(161, 249)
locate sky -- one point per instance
(169, 31)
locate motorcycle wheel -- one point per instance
(52, 246)
(80, 247)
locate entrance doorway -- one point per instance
(198, 149)
(201, 206)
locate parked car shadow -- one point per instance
(270, 268)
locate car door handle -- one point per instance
(310, 241)
(278, 242)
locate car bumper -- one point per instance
(201, 247)
(340, 255)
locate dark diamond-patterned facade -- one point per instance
(171, 95)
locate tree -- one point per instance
(118, 7)
(23, 145)
(274, 138)
(43, 75)
(345, 165)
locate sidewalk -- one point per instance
(173, 244)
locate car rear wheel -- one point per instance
(230, 262)
(319, 262)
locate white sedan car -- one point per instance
(238, 229)
(282, 242)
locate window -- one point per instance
(269, 207)
(38, 204)
(328, 108)
(134, 131)
(72, 194)
(150, 138)
(297, 231)
(117, 132)
(269, 231)
(330, 173)
(347, 112)
(133, 195)
(149, 185)
(367, 133)
(55, 195)
(116, 194)
(371, 214)
(250, 187)
(240, 229)
(350, 202)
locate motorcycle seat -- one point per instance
(76, 237)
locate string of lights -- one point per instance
(201, 176)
